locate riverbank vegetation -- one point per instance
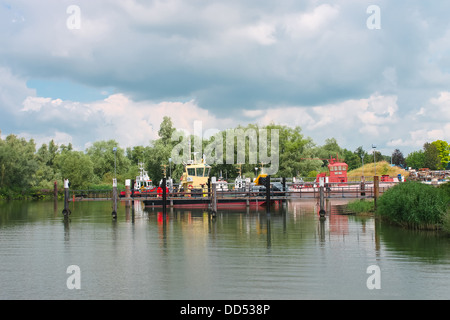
(416, 205)
(28, 170)
(412, 205)
(361, 206)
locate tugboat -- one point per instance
(222, 184)
(143, 184)
(240, 183)
(195, 177)
(194, 189)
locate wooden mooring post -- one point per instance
(55, 190)
(164, 196)
(322, 211)
(127, 192)
(268, 194)
(213, 204)
(114, 199)
(132, 199)
(55, 196)
(376, 190)
(66, 211)
(322, 202)
(363, 186)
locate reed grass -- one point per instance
(414, 205)
(446, 222)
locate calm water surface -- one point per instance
(240, 254)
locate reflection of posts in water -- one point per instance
(66, 228)
(55, 208)
(322, 230)
(269, 232)
(127, 212)
(55, 197)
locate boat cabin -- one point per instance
(195, 175)
(337, 172)
(143, 181)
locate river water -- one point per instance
(239, 254)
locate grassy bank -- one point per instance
(415, 205)
(362, 207)
(368, 170)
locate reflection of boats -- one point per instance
(204, 202)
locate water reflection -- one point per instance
(66, 221)
(289, 253)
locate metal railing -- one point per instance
(293, 191)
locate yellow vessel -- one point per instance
(195, 176)
(260, 180)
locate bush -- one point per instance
(414, 205)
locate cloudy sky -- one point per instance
(82, 71)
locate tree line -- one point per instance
(24, 168)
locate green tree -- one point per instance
(165, 130)
(17, 162)
(443, 149)
(105, 161)
(330, 149)
(137, 154)
(158, 155)
(415, 159)
(431, 156)
(362, 155)
(46, 173)
(378, 156)
(159, 152)
(352, 159)
(77, 167)
(292, 145)
(397, 158)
